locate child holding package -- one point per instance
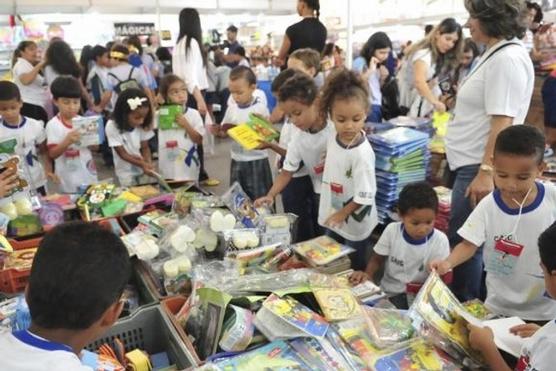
(298, 98)
(347, 204)
(406, 248)
(30, 136)
(178, 158)
(128, 135)
(250, 168)
(508, 222)
(74, 163)
(538, 351)
(74, 295)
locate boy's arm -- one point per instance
(272, 146)
(482, 339)
(46, 161)
(190, 130)
(278, 186)
(461, 253)
(57, 150)
(338, 218)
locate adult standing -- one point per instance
(26, 70)
(189, 62)
(231, 58)
(496, 94)
(308, 33)
(424, 62)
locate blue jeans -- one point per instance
(362, 249)
(376, 114)
(468, 280)
(299, 198)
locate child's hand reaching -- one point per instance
(53, 177)
(264, 201)
(73, 137)
(264, 145)
(336, 220)
(525, 331)
(440, 266)
(148, 168)
(481, 338)
(8, 181)
(358, 277)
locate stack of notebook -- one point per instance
(402, 157)
(444, 208)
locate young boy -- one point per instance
(308, 61)
(538, 351)
(508, 222)
(250, 168)
(74, 163)
(30, 136)
(407, 247)
(78, 276)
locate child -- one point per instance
(347, 204)
(128, 135)
(177, 148)
(508, 223)
(250, 168)
(74, 295)
(307, 149)
(30, 136)
(409, 246)
(538, 351)
(74, 163)
(307, 60)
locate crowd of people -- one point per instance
(326, 168)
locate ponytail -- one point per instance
(315, 5)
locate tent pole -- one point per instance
(349, 51)
(158, 22)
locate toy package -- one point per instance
(388, 327)
(241, 206)
(356, 334)
(88, 128)
(337, 304)
(320, 354)
(167, 116)
(322, 250)
(250, 134)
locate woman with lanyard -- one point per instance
(189, 62)
(308, 33)
(494, 95)
(26, 70)
(425, 61)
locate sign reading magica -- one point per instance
(134, 29)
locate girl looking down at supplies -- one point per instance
(128, 134)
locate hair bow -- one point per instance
(136, 102)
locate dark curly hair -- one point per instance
(547, 248)
(281, 79)
(60, 56)
(378, 40)
(300, 88)
(521, 140)
(122, 109)
(417, 196)
(343, 84)
(500, 18)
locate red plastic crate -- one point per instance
(25, 243)
(13, 281)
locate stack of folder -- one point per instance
(402, 157)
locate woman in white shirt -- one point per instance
(26, 68)
(494, 95)
(425, 60)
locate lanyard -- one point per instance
(520, 210)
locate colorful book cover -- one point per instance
(418, 355)
(88, 128)
(167, 116)
(250, 134)
(320, 354)
(277, 356)
(355, 333)
(337, 304)
(322, 250)
(297, 315)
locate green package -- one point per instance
(167, 116)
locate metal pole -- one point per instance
(349, 51)
(158, 22)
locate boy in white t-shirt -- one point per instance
(74, 295)
(538, 352)
(250, 168)
(74, 163)
(406, 248)
(508, 222)
(30, 136)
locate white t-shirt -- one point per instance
(75, 167)
(409, 96)
(407, 259)
(34, 93)
(188, 65)
(122, 72)
(37, 354)
(375, 92)
(503, 85)
(258, 94)
(29, 134)
(515, 284)
(177, 154)
(288, 132)
(309, 150)
(538, 352)
(239, 115)
(349, 175)
(131, 141)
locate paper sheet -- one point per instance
(503, 338)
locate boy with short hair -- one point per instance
(538, 351)
(30, 136)
(78, 276)
(250, 168)
(74, 163)
(307, 60)
(406, 248)
(508, 223)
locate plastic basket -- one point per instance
(13, 281)
(150, 330)
(26, 243)
(172, 306)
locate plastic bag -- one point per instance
(242, 206)
(289, 280)
(242, 239)
(388, 327)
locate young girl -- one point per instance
(347, 205)
(128, 134)
(307, 149)
(177, 148)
